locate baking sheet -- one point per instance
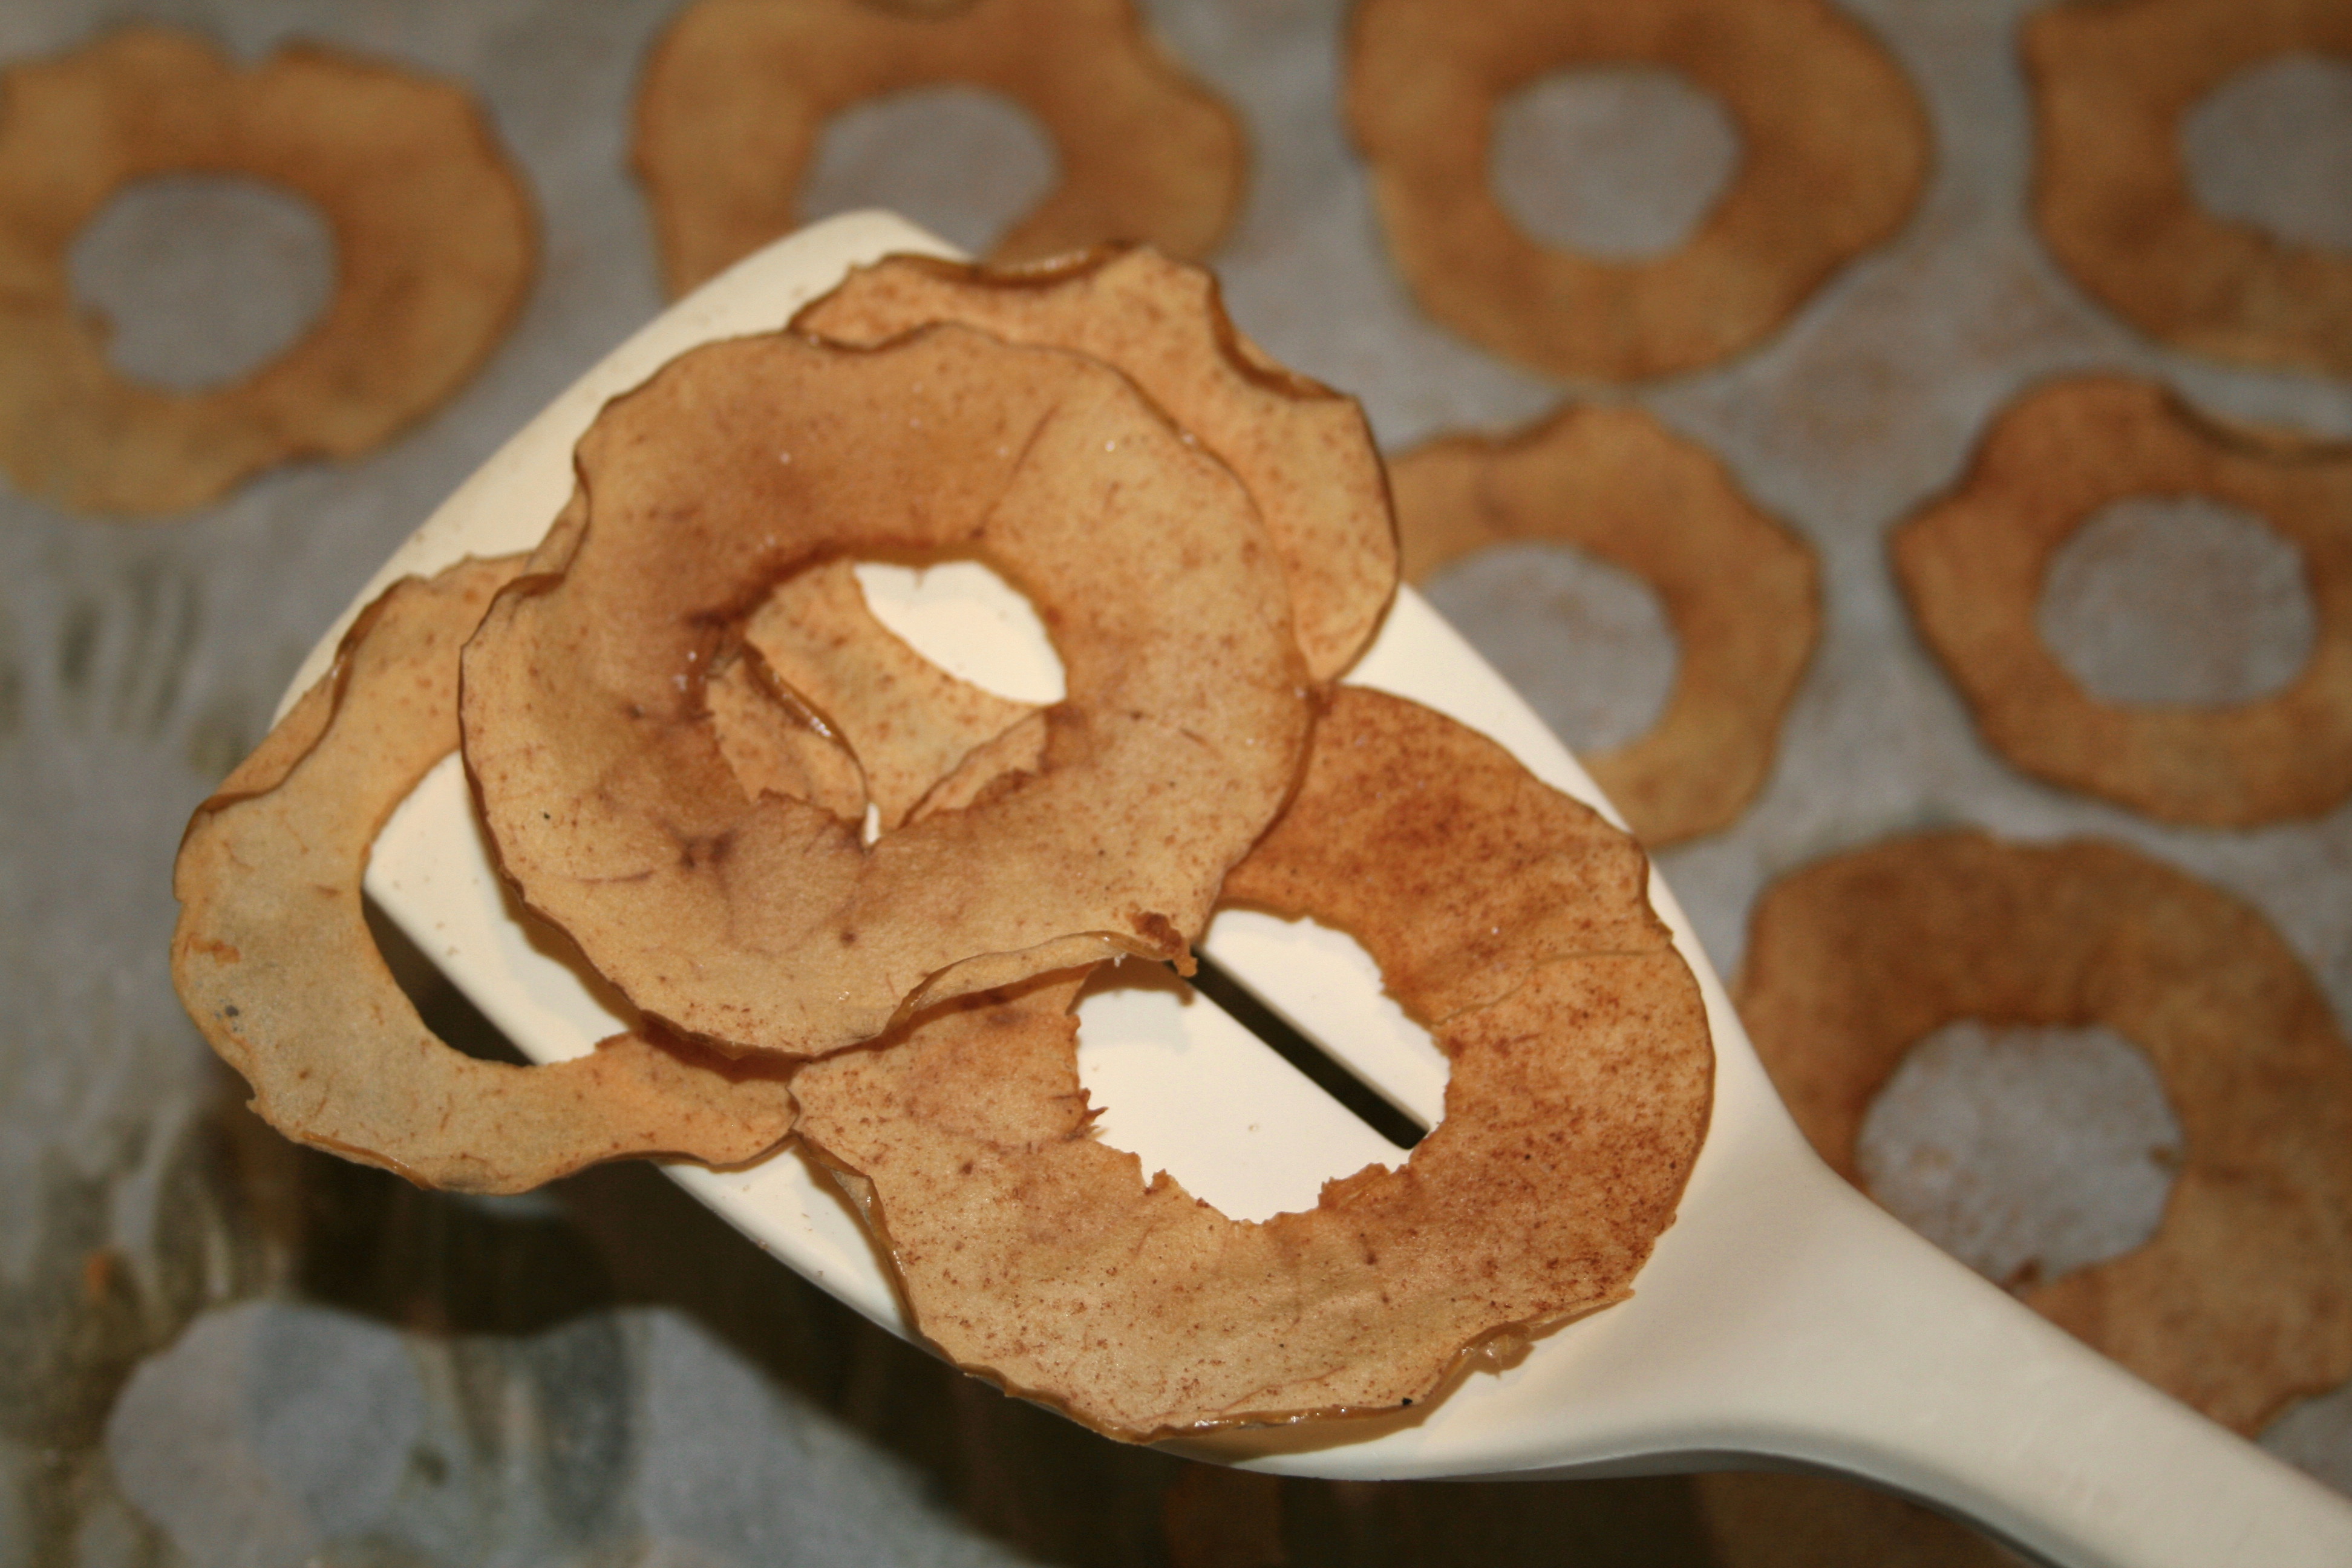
(217, 1350)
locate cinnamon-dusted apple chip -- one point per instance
(274, 959)
(434, 246)
(2114, 198)
(767, 923)
(2242, 1301)
(1835, 148)
(1303, 449)
(737, 93)
(1741, 589)
(1511, 920)
(1972, 565)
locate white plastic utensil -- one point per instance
(1784, 1320)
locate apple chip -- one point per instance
(1303, 449)
(737, 93)
(2242, 1301)
(1972, 565)
(274, 959)
(1741, 588)
(1511, 920)
(433, 239)
(768, 923)
(2114, 198)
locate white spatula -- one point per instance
(1784, 1320)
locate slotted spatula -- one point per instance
(1784, 1320)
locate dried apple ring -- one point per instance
(1835, 151)
(767, 924)
(2242, 1300)
(1742, 591)
(2111, 188)
(1509, 918)
(738, 91)
(434, 247)
(1303, 449)
(1972, 565)
(274, 962)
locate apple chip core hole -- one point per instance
(1186, 1089)
(446, 1010)
(2025, 1151)
(1586, 642)
(200, 279)
(963, 161)
(2178, 599)
(1618, 163)
(2272, 146)
(968, 621)
(1189, 1088)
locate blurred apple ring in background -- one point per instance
(434, 251)
(737, 93)
(1834, 153)
(2242, 1300)
(2111, 189)
(1741, 590)
(1972, 566)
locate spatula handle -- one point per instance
(1799, 1326)
(1887, 1360)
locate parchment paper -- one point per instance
(215, 1350)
